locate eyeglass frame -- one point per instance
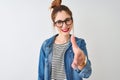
(65, 21)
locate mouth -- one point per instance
(65, 30)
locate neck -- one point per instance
(61, 39)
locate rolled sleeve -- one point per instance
(86, 71)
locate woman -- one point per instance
(63, 56)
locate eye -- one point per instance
(59, 22)
(68, 21)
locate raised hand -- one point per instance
(79, 56)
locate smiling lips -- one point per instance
(65, 30)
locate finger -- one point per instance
(74, 65)
(73, 41)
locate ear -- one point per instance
(53, 24)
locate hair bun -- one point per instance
(56, 3)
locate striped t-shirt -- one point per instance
(58, 70)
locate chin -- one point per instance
(66, 34)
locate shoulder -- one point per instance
(49, 41)
(80, 41)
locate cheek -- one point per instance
(58, 29)
(71, 26)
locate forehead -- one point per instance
(62, 15)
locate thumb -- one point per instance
(74, 63)
(73, 41)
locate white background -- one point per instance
(25, 24)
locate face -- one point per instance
(64, 23)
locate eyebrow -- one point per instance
(64, 19)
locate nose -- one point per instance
(64, 25)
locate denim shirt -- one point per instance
(45, 61)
